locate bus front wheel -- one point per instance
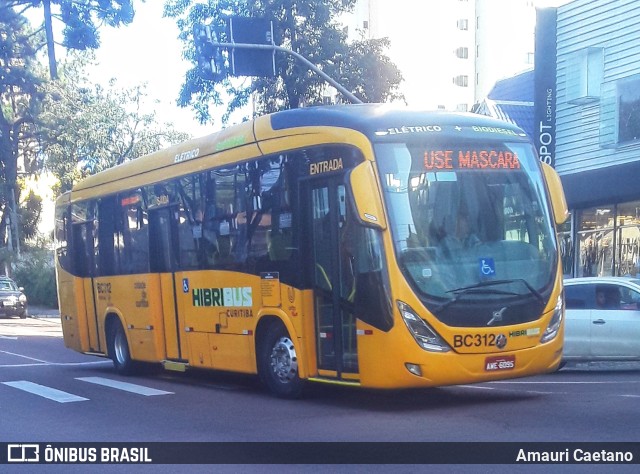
(119, 349)
(279, 363)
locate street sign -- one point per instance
(252, 62)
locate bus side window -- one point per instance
(82, 256)
(162, 248)
(106, 232)
(364, 279)
(135, 236)
(230, 222)
(81, 228)
(188, 253)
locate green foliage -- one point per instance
(308, 27)
(88, 128)
(70, 125)
(82, 18)
(20, 104)
(36, 273)
(29, 217)
(369, 73)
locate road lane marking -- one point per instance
(24, 357)
(48, 364)
(126, 386)
(567, 382)
(479, 387)
(40, 362)
(46, 392)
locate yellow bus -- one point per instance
(363, 245)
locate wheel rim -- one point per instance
(284, 362)
(120, 347)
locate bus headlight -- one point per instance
(424, 335)
(555, 323)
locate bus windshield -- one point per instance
(470, 226)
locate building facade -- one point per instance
(450, 52)
(598, 135)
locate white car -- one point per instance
(602, 319)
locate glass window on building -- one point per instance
(595, 241)
(628, 239)
(629, 110)
(566, 247)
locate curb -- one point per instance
(40, 312)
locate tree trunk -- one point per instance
(53, 67)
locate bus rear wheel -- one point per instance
(278, 363)
(119, 350)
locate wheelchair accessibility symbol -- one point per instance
(487, 267)
(185, 285)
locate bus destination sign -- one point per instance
(470, 159)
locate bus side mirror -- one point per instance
(366, 196)
(558, 201)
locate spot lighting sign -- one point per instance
(544, 127)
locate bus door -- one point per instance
(84, 266)
(333, 281)
(163, 243)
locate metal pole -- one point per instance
(298, 56)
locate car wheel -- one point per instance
(278, 363)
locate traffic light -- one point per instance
(210, 60)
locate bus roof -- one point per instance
(376, 121)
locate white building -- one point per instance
(450, 52)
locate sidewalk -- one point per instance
(42, 312)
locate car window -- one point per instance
(579, 296)
(607, 297)
(629, 299)
(6, 285)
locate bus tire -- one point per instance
(118, 348)
(278, 363)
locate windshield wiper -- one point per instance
(484, 284)
(481, 288)
(471, 290)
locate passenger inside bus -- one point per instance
(466, 237)
(206, 237)
(461, 237)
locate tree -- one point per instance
(369, 73)
(88, 128)
(81, 19)
(30, 217)
(20, 98)
(308, 27)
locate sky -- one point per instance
(149, 51)
(146, 51)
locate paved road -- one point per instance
(52, 394)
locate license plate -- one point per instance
(497, 363)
